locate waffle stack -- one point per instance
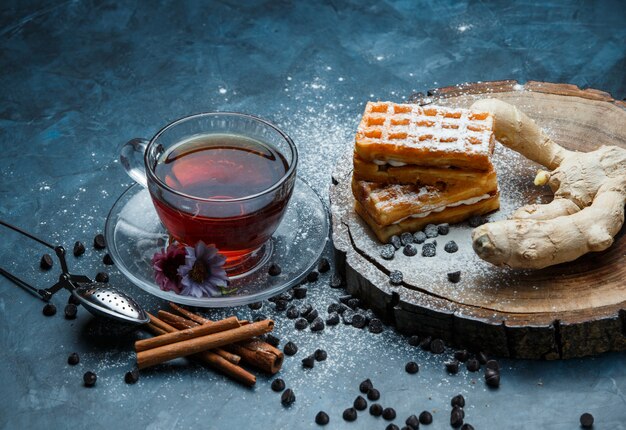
(417, 165)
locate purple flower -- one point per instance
(203, 273)
(166, 264)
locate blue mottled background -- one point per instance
(77, 78)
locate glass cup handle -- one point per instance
(131, 157)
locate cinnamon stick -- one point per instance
(161, 354)
(190, 333)
(178, 322)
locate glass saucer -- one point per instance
(134, 233)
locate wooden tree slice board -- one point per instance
(570, 310)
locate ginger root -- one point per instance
(587, 210)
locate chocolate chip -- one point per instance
(389, 414)
(107, 260)
(392, 426)
(376, 410)
(333, 319)
(312, 276)
(102, 277)
(278, 385)
(454, 277)
(492, 364)
(255, 306)
(79, 249)
(406, 238)
(288, 397)
(292, 312)
(443, 229)
(413, 422)
(70, 311)
(308, 362)
(89, 379)
(320, 355)
(431, 230)
(412, 367)
(131, 377)
(360, 404)
(461, 355)
(290, 348)
(387, 251)
(336, 281)
(410, 250)
(99, 242)
(46, 262)
(353, 303)
(586, 420)
(333, 307)
(323, 266)
(425, 343)
(472, 365)
(452, 366)
(311, 315)
(395, 241)
(359, 321)
(365, 386)
(345, 299)
(426, 418)
(347, 316)
(414, 340)
(274, 270)
(456, 417)
(482, 357)
(375, 326)
(467, 427)
(373, 394)
(322, 418)
(429, 250)
(475, 221)
(301, 324)
(280, 305)
(451, 247)
(73, 300)
(437, 346)
(306, 309)
(349, 414)
(73, 359)
(342, 308)
(287, 296)
(272, 340)
(299, 292)
(395, 277)
(317, 324)
(419, 237)
(492, 378)
(49, 309)
(458, 400)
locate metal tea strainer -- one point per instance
(98, 298)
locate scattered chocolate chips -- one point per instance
(375, 326)
(308, 362)
(132, 376)
(333, 319)
(49, 309)
(389, 414)
(410, 250)
(431, 230)
(290, 348)
(492, 378)
(467, 427)
(333, 307)
(395, 242)
(456, 417)
(99, 242)
(344, 299)
(586, 420)
(406, 238)
(73, 300)
(347, 316)
(360, 404)
(278, 385)
(336, 281)
(317, 324)
(419, 237)
(392, 426)
(414, 340)
(73, 359)
(280, 305)
(288, 397)
(70, 311)
(312, 276)
(349, 414)
(353, 303)
(292, 312)
(320, 355)
(443, 229)
(46, 262)
(395, 277)
(255, 306)
(429, 250)
(272, 340)
(451, 247)
(79, 249)
(301, 324)
(299, 292)
(107, 260)
(274, 270)
(322, 418)
(475, 221)
(426, 418)
(359, 321)
(102, 277)
(493, 365)
(311, 316)
(387, 251)
(376, 409)
(89, 379)
(472, 365)
(458, 400)
(365, 386)
(411, 368)
(373, 394)
(413, 422)
(437, 346)
(461, 355)
(287, 296)
(324, 265)
(454, 277)
(306, 309)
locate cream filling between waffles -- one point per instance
(469, 201)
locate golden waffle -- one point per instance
(450, 215)
(389, 204)
(399, 134)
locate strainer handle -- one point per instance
(131, 157)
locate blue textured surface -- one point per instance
(77, 78)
